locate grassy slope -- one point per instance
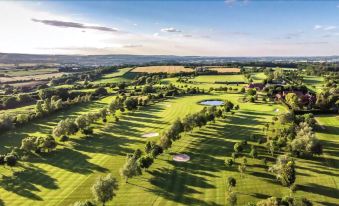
(314, 83)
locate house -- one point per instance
(257, 86)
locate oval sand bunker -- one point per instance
(181, 158)
(276, 110)
(152, 134)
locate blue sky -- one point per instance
(212, 28)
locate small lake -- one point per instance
(212, 102)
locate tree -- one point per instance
(145, 161)
(11, 159)
(305, 142)
(231, 182)
(229, 162)
(101, 91)
(242, 169)
(28, 144)
(104, 189)
(292, 100)
(251, 92)
(253, 153)
(39, 111)
(130, 169)
(131, 103)
(284, 170)
(82, 122)
(238, 147)
(232, 198)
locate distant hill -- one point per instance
(91, 60)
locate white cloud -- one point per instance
(316, 27)
(325, 28)
(170, 30)
(328, 28)
(156, 34)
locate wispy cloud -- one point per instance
(68, 24)
(170, 30)
(293, 35)
(325, 28)
(328, 28)
(132, 45)
(233, 2)
(187, 35)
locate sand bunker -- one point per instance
(152, 134)
(181, 158)
(276, 110)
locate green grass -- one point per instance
(120, 73)
(123, 75)
(258, 77)
(66, 175)
(314, 83)
(207, 81)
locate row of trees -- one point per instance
(137, 161)
(70, 126)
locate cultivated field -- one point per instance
(36, 77)
(164, 69)
(224, 69)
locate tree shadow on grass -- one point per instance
(70, 160)
(105, 143)
(328, 203)
(24, 182)
(319, 189)
(176, 185)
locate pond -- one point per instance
(212, 102)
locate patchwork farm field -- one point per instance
(224, 69)
(165, 69)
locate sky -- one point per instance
(172, 27)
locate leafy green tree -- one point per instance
(292, 100)
(130, 169)
(39, 111)
(131, 103)
(238, 147)
(229, 162)
(104, 189)
(145, 162)
(11, 159)
(231, 182)
(284, 170)
(253, 153)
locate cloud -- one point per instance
(156, 34)
(170, 30)
(328, 28)
(233, 2)
(187, 35)
(325, 28)
(69, 24)
(317, 27)
(132, 45)
(294, 34)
